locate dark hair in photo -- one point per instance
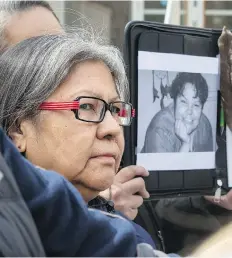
(199, 82)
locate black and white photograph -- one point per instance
(177, 112)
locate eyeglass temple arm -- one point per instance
(124, 112)
(59, 105)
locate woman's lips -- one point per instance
(188, 120)
(105, 158)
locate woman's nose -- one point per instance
(189, 110)
(109, 126)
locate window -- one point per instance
(155, 18)
(154, 5)
(218, 14)
(217, 22)
(218, 5)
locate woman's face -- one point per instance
(87, 154)
(188, 108)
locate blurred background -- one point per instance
(110, 17)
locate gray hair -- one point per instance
(34, 68)
(8, 8)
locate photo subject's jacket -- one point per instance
(65, 225)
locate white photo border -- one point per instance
(177, 63)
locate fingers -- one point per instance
(126, 203)
(128, 173)
(135, 201)
(177, 124)
(131, 213)
(128, 190)
(136, 185)
(177, 127)
(132, 202)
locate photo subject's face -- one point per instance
(188, 108)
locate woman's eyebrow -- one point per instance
(90, 93)
(116, 98)
(182, 95)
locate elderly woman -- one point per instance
(68, 108)
(63, 113)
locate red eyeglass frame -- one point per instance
(75, 105)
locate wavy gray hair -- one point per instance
(34, 68)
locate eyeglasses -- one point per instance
(91, 109)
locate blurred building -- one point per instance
(199, 13)
(107, 17)
(110, 17)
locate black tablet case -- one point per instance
(163, 38)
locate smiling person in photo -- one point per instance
(182, 126)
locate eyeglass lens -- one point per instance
(93, 110)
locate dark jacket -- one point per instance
(18, 233)
(190, 220)
(65, 225)
(141, 234)
(178, 225)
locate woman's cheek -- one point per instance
(121, 146)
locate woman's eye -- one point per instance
(115, 110)
(86, 106)
(183, 101)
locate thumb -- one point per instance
(225, 202)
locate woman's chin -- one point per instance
(103, 183)
(90, 188)
(102, 178)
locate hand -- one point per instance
(181, 131)
(225, 202)
(127, 192)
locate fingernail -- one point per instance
(146, 172)
(147, 195)
(140, 168)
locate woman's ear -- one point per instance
(18, 136)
